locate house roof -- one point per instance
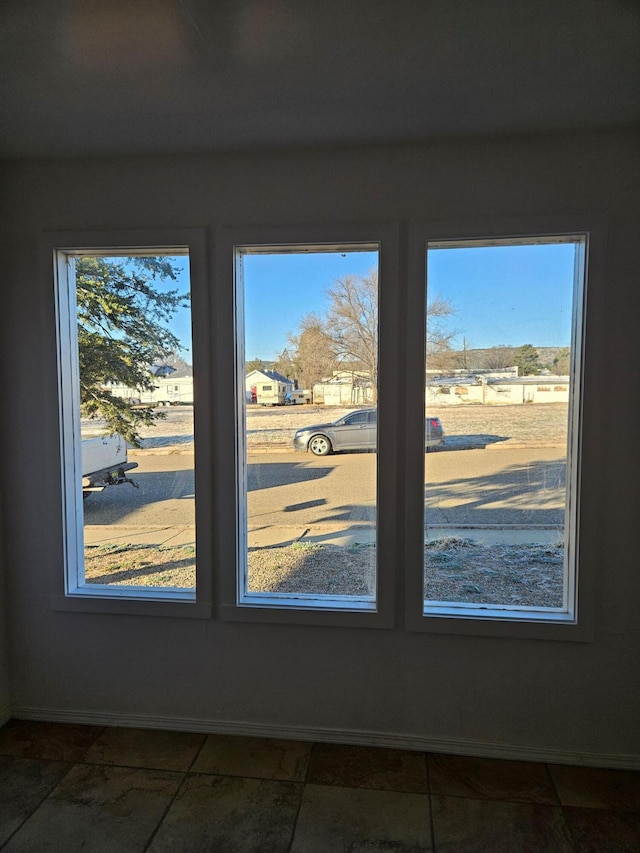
(166, 371)
(161, 370)
(271, 374)
(478, 378)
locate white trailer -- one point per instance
(298, 397)
(165, 392)
(169, 392)
(104, 463)
(272, 393)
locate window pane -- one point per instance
(133, 413)
(308, 382)
(500, 380)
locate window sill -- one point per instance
(482, 622)
(131, 606)
(351, 615)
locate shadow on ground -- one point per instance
(476, 441)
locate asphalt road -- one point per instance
(494, 486)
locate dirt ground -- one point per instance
(456, 570)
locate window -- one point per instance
(309, 517)
(499, 491)
(313, 537)
(459, 395)
(128, 479)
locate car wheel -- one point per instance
(320, 445)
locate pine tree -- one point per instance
(122, 331)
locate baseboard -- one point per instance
(479, 749)
(5, 715)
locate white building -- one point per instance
(268, 387)
(496, 390)
(169, 389)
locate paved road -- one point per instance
(520, 486)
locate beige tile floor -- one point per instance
(67, 788)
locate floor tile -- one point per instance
(360, 820)
(487, 826)
(598, 830)
(254, 757)
(488, 778)
(364, 767)
(24, 783)
(597, 788)
(159, 750)
(56, 741)
(231, 815)
(98, 809)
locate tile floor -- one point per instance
(71, 787)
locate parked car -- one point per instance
(354, 431)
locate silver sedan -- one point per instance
(355, 431)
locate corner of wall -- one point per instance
(5, 686)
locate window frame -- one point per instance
(577, 623)
(56, 248)
(229, 421)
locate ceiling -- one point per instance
(105, 77)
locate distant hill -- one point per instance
(479, 357)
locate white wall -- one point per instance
(546, 699)
(550, 389)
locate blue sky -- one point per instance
(282, 289)
(510, 295)
(181, 322)
(500, 294)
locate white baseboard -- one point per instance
(421, 743)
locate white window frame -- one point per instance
(316, 609)
(575, 621)
(58, 250)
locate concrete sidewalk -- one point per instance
(175, 536)
(364, 535)
(327, 534)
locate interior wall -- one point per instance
(5, 686)
(487, 695)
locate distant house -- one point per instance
(495, 390)
(171, 386)
(345, 387)
(268, 387)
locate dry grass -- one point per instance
(464, 426)
(460, 570)
(141, 565)
(308, 568)
(456, 570)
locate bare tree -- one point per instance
(499, 358)
(439, 337)
(348, 335)
(311, 355)
(444, 359)
(285, 363)
(178, 362)
(351, 325)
